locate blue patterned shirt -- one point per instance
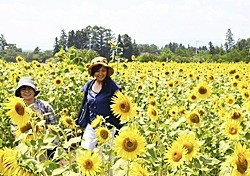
(46, 110)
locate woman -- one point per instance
(99, 92)
(27, 90)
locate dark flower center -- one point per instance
(241, 164)
(124, 107)
(202, 90)
(104, 134)
(88, 164)
(189, 147)
(194, 118)
(19, 109)
(232, 130)
(129, 144)
(177, 157)
(25, 128)
(236, 115)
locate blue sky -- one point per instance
(30, 23)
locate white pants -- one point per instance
(89, 138)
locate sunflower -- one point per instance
(103, 134)
(245, 94)
(232, 129)
(97, 121)
(20, 59)
(152, 101)
(38, 65)
(152, 112)
(72, 67)
(53, 129)
(1, 161)
(165, 98)
(123, 107)
(247, 106)
(222, 113)
(112, 44)
(34, 62)
(18, 111)
(12, 76)
(138, 170)
(10, 164)
(41, 74)
(58, 81)
(194, 118)
(176, 155)
(31, 73)
(191, 144)
(235, 83)
(235, 115)
(174, 111)
(209, 77)
(129, 144)
(232, 71)
(139, 87)
(89, 163)
(240, 160)
(170, 83)
(64, 111)
(182, 110)
(193, 97)
(203, 90)
(68, 122)
(154, 137)
(230, 100)
(30, 130)
(243, 85)
(237, 76)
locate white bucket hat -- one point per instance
(26, 81)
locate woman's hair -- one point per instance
(96, 68)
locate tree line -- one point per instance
(104, 43)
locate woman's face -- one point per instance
(101, 74)
(27, 93)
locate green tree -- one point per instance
(37, 50)
(173, 46)
(56, 46)
(3, 42)
(127, 46)
(229, 44)
(166, 55)
(120, 46)
(211, 48)
(63, 39)
(146, 48)
(71, 39)
(147, 57)
(135, 49)
(99, 39)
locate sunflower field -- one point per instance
(178, 119)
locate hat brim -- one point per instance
(18, 89)
(110, 69)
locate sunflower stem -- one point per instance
(180, 171)
(128, 168)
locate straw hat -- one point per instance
(26, 81)
(100, 61)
